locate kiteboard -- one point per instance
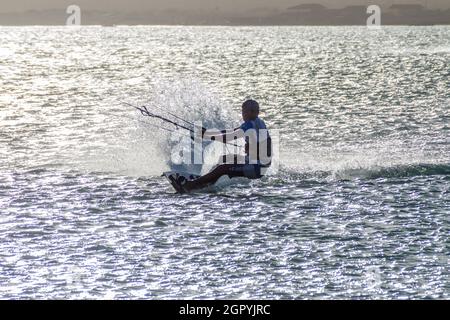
(178, 179)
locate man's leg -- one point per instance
(234, 169)
(208, 179)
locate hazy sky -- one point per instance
(223, 5)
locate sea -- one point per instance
(355, 206)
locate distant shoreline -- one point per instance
(222, 25)
(302, 15)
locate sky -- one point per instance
(233, 6)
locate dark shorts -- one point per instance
(236, 169)
(250, 171)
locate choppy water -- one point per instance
(358, 209)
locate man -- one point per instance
(258, 150)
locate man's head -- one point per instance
(250, 110)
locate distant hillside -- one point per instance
(304, 14)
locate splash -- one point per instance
(194, 102)
(147, 147)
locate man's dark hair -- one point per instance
(251, 104)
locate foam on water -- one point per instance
(362, 161)
(140, 148)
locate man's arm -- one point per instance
(224, 135)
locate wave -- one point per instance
(404, 171)
(397, 171)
